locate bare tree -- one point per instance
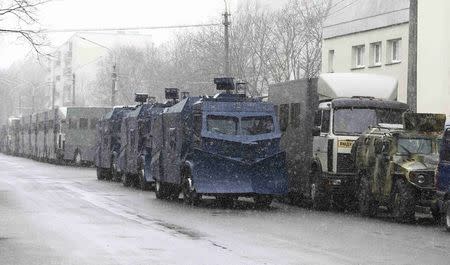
(266, 47)
(18, 17)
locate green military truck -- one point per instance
(396, 167)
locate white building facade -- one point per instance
(433, 56)
(75, 64)
(368, 36)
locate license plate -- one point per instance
(345, 144)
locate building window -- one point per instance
(83, 123)
(284, 117)
(93, 123)
(394, 50)
(72, 124)
(295, 115)
(376, 53)
(331, 61)
(358, 56)
(325, 126)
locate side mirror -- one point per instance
(385, 149)
(316, 131)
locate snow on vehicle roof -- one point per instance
(338, 85)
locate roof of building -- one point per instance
(353, 16)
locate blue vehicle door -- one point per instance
(443, 181)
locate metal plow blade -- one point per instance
(213, 174)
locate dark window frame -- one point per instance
(326, 121)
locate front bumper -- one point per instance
(215, 174)
(340, 184)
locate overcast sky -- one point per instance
(61, 14)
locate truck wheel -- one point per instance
(367, 205)
(403, 202)
(143, 184)
(126, 180)
(447, 216)
(77, 158)
(320, 200)
(114, 173)
(100, 175)
(263, 201)
(161, 190)
(190, 196)
(225, 201)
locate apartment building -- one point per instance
(368, 36)
(75, 64)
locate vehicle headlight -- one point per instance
(422, 178)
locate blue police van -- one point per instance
(226, 146)
(443, 178)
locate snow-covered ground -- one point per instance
(62, 215)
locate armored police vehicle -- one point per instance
(443, 179)
(13, 136)
(108, 143)
(227, 146)
(137, 142)
(320, 119)
(3, 138)
(396, 167)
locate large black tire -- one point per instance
(77, 159)
(262, 201)
(142, 182)
(100, 174)
(190, 195)
(319, 198)
(447, 216)
(113, 171)
(226, 201)
(367, 205)
(126, 180)
(161, 190)
(403, 202)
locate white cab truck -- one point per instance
(320, 120)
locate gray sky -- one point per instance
(107, 13)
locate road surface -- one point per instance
(62, 215)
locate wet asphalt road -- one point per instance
(62, 215)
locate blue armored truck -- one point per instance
(227, 146)
(108, 143)
(135, 155)
(443, 178)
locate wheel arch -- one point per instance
(186, 168)
(315, 165)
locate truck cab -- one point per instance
(339, 122)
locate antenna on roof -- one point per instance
(224, 83)
(172, 93)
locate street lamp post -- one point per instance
(227, 23)
(114, 72)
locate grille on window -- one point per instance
(345, 163)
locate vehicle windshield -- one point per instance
(222, 124)
(408, 146)
(354, 121)
(257, 125)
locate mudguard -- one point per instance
(216, 174)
